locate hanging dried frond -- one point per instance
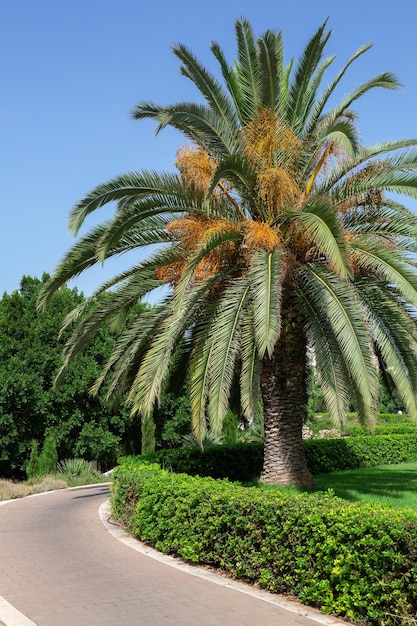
(368, 201)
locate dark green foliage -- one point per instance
(239, 462)
(230, 428)
(48, 458)
(172, 419)
(148, 436)
(331, 455)
(44, 462)
(30, 407)
(97, 442)
(358, 561)
(32, 468)
(383, 429)
(243, 461)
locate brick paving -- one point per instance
(59, 566)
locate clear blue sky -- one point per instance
(71, 71)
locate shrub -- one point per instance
(48, 458)
(45, 462)
(32, 468)
(331, 455)
(230, 427)
(355, 560)
(243, 461)
(79, 472)
(383, 429)
(239, 462)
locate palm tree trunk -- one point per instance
(284, 393)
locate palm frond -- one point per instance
(328, 357)
(226, 344)
(271, 57)
(309, 96)
(250, 371)
(266, 278)
(121, 367)
(318, 221)
(199, 378)
(321, 102)
(386, 263)
(216, 98)
(146, 387)
(304, 72)
(134, 185)
(341, 305)
(248, 70)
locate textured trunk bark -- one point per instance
(284, 393)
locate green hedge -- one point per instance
(358, 561)
(243, 462)
(331, 455)
(236, 462)
(383, 429)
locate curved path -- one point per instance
(60, 566)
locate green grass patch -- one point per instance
(395, 485)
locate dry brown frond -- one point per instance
(261, 235)
(196, 167)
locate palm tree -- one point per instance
(280, 238)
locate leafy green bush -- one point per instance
(230, 427)
(383, 429)
(32, 468)
(331, 455)
(243, 461)
(239, 462)
(358, 561)
(79, 472)
(45, 462)
(48, 458)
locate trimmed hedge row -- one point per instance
(383, 429)
(331, 455)
(355, 560)
(243, 462)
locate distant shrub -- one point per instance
(44, 462)
(32, 468)
(79, 472)
(383, 429)
(240, 462)
(48, 458)
(331, 455)
(243, 461)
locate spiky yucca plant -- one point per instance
(280, 236)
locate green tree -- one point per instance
(30, 407)
(280, 235)
(48, 458)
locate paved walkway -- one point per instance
(59, 566)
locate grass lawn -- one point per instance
(395, 485)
